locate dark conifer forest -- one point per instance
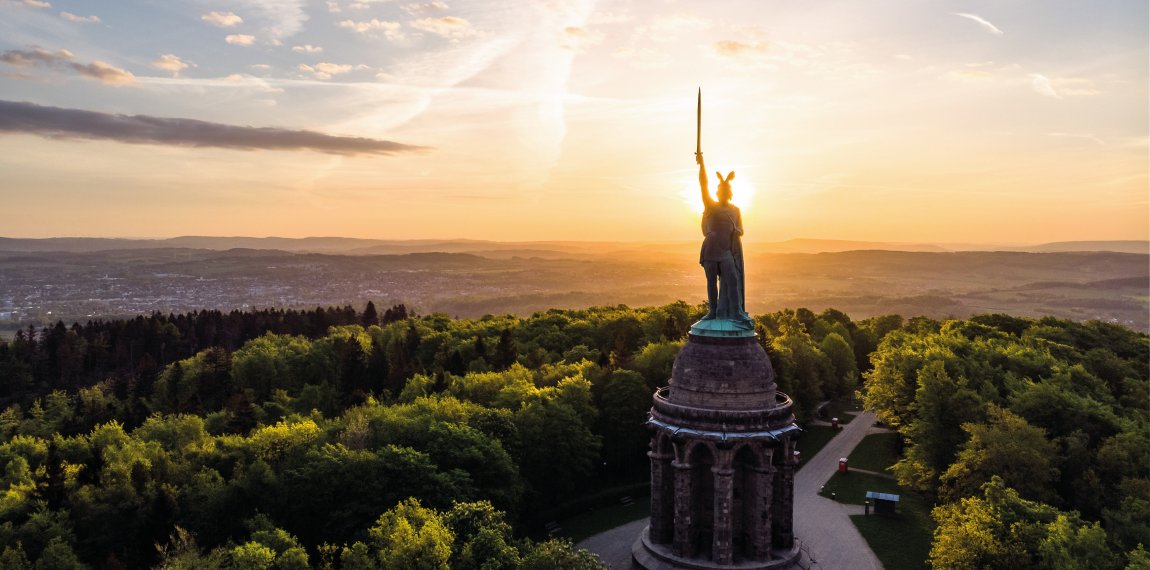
(378, 438)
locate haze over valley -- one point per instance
(77, 279)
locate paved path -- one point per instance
(614, 546)
(823, 525)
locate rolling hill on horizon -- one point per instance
(544, 249)
(38, 287)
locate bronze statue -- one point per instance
(721, 254)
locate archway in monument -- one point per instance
(743, 505)
(702, 460)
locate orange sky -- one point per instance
(932, 121)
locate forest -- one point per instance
(346, 438)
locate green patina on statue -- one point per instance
(721, 257)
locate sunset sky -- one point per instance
(998, 121)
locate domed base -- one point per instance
(649, 556)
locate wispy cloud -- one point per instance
(980, 21)
(240, 39)
(63, 59)
(60, 123)
(170, 62)
(1075, 87)
(80, 19)
(222, 19)
(577, 38)
(325, 70)
(278, 18)
(28, 3)
(391, 30)
(364, 4)
(418, 8)
(307, 48)
(1041, 85)
(451, 27)
(735, 48)
(1081, 136)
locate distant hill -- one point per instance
(835, 245)
(1120, 246)
(539, 249)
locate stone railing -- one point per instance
(726, 420)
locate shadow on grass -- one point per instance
(839, 408)
(590, 523)
(876, 452)
(812, 440)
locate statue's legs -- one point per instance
(711, 270)
(728, 288)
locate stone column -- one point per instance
(683, 544)
(662, 483)
(722, 551)
(785, 509)
(762, 507)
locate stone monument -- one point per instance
(722, 443)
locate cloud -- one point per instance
(31, 3)
(1041, 85)
(279, 18)
(982, 22)
(170, 62)
(62, 59)
(364, 4)
(735, 48)
(307, 48)
(450, 27)
(575, 38)
(1075, 87)
(1083, 136)
(240, 39)
(222, 19)
(80, 19)
(59, 123)
(325, 70)
(333, 7)
(391, 30)
(418, 8)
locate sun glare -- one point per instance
(743, 193)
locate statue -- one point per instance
(721, 255)
(722, 252)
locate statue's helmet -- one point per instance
(724, 190)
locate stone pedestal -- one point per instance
(722, 469)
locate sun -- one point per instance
(743, 192)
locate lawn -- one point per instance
(876, 452)
(590, 523)
(901, 541)
(812, 440)
(851, 488)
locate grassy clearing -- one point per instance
(876, 452)
(901, 541)
(603, 519)
(812, 440)
(851, 487)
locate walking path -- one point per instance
(823, 526)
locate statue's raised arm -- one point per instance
(707, 200)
